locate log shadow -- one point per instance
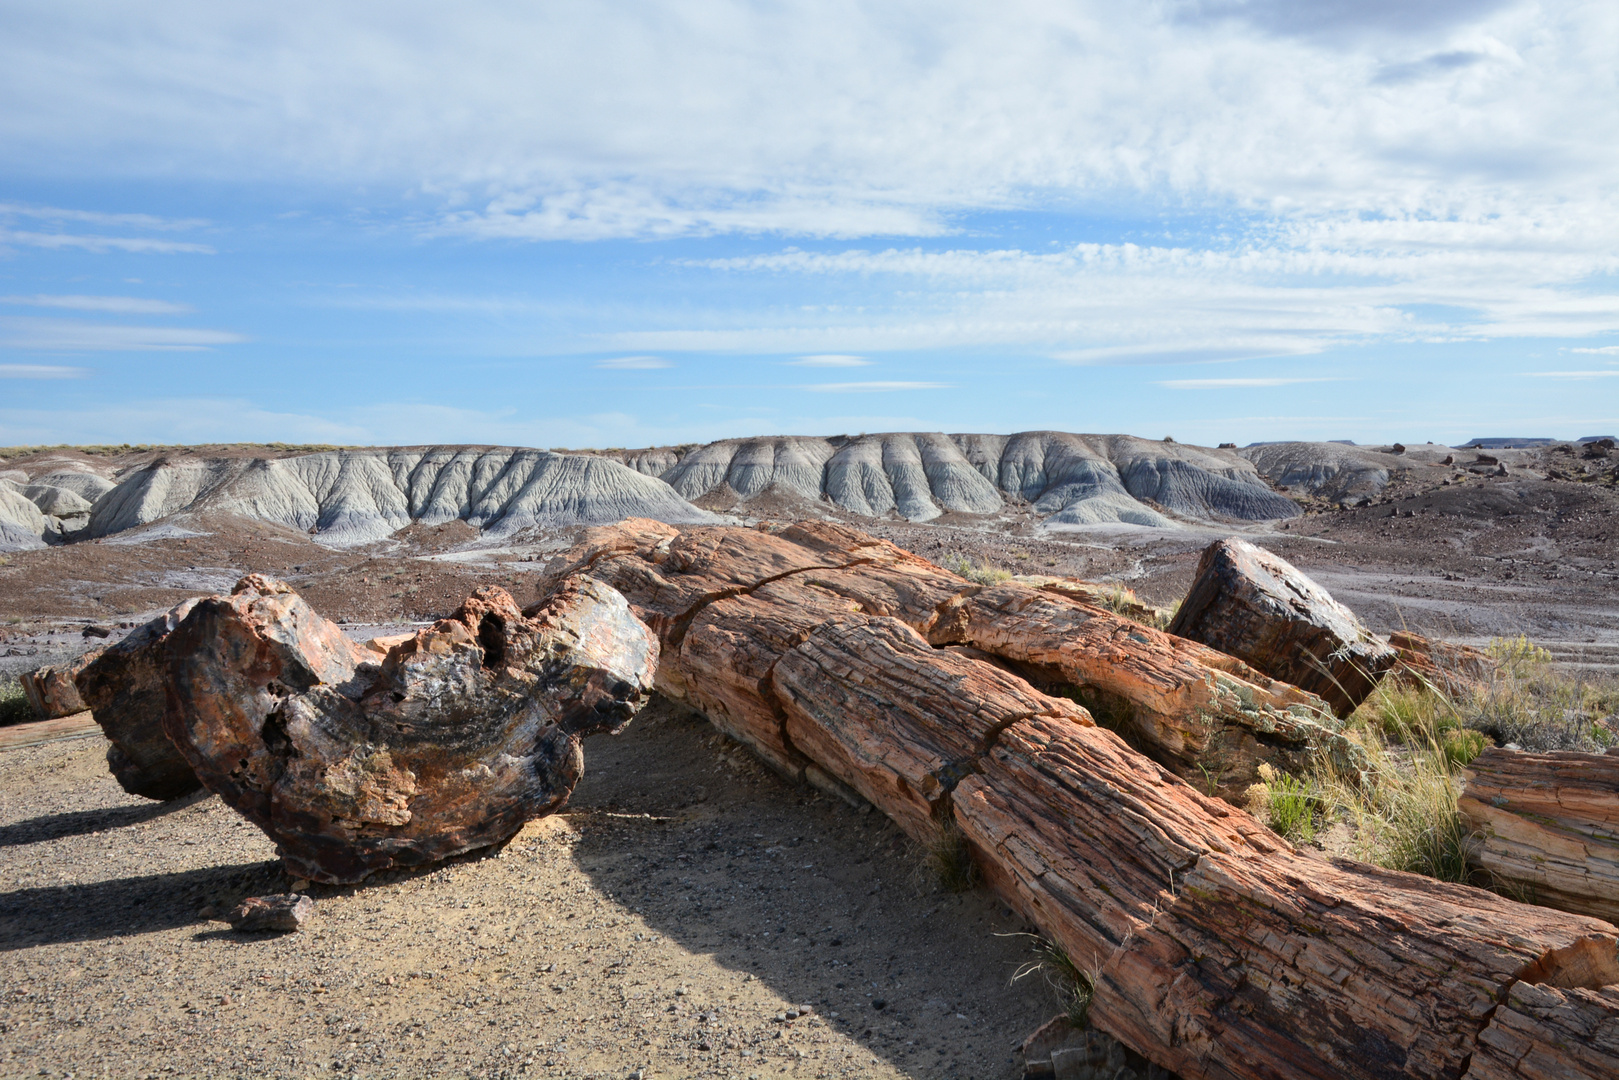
(125, 907)
(80, 822)
(828, 905)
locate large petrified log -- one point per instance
(1548, 825)
(727, 602)
(51, 690)
(1215, 948)
(461, 734)
(1253, 604)
(124, 689)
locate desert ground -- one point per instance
(690, 914)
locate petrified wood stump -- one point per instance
(1216, 949)
(461, 734)
(124, 689)
(727, 602)
(1548, 824)
(1254, 605)
(51, 690)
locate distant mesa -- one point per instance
(349, 497)
(1505, 443)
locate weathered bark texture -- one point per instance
(726, 603)
(1252, 604)
(461, 734)
(1548, 824)
(1540, 1031)
(50, 690)
(123, 687)
(1217, 950)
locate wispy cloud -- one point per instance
(1237, 383)
(102, 244)
(834, 360)
(1611, 373)
(873, 387)
(634, 363)
(96, 217)
(70, 335)
(1605, 350)
(119, 305)
(41, 371)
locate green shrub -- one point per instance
(14, 705)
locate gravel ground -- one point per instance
(668, 924)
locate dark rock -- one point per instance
(96, 631)
(1254, 605)
(282, 912)
(123, 687)
(464, 732)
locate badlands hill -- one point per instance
(344, 497)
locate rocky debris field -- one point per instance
(690, 915)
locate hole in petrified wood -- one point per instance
(492, 636)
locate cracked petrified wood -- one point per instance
(1216, 948)
(1547, 825)
(461, 734)
(52, 691)
(1255, 605)
(124, 690)
(727, 602)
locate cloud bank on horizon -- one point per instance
(632, 224)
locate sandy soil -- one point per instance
(665, 926)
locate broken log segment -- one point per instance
(1255, 605)
(51, 691)
(1541, 1031)
(726, 602)
(1547, 825)
(463, 732)
(124, 690)
(1216, 949)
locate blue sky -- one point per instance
(564, 225)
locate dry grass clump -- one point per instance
(1417, 740)
(977, 573)
(1072, 986)
(951, 859)
(1126, 604)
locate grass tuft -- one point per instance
(952, 861)
(14, 704)
(1073, 987)
(977, 573)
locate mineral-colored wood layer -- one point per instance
(1216, 948)
(1548, 824)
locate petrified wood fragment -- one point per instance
(1453, 668)
(1548, 825)
(1254, 605)
(124, 689)
(1216, 949)
(726, 603)
(1540, 1031)
(459, 736)
(281, 912)
(51, 691)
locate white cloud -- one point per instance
(1609, 374)
(1605, 350)
(41, 371)
(830, 360)
(120, 305)
(634, 363)
(1236, 384)
(71, 335)
(96, 217)
(102, 244)
(873, 387)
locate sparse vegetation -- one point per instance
(952, 859)
(14, 706)
(1072, 986)
(977, 573)
(1126, 604)
(1418, 738)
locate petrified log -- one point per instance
(1548, 825)
(1253, 604)
(124, 689)
(50, 690)
(1215, 948)
(1540, 1031)
(461, 734)
(1453, 668)
(726, 602)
